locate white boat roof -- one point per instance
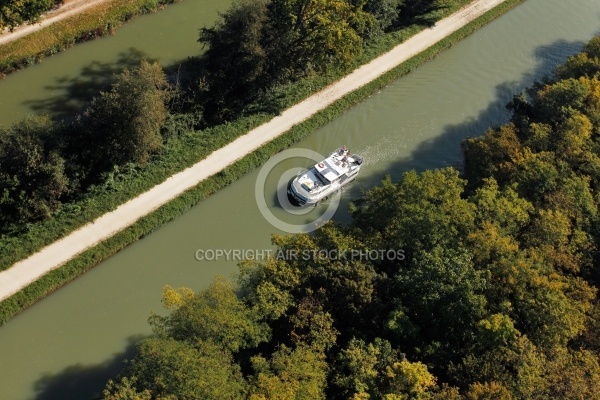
(333, 166)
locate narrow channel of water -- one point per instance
(61, 83)
(68, 344)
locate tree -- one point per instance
(123, 124)
(361, 369)
(484, 155)
(503, 208)
(548, 307)
(518, 366)
(585, 63)
(536, 174)
(215, 314)
(17, 12)
(298, 373)
(125, 389)
(237, 65)
(312, 326)
(409, 380)
(385, 12)
(488, 391)
(442, 294)
(572, 374)
(418, 213)
(313, 34)
(258, 44)
(32, 175)
(169, 369)
(268, 288)
(356, 369)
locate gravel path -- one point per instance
(56, 254)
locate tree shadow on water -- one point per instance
(72, 93)
(445, 149)
(84, 381)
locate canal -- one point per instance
(67, 345)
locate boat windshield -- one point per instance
(320, 177)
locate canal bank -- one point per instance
(70, 23)
(28, 271)
(64, 346)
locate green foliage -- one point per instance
(32, 175)
(504, 208)
(357, 369)
(169, 369)
(409, 381)
(17, 12)
(312, 326)
(214, 314)
(361, 368)
(385, 12)
(123, 125)
(125, 390)
(443, 279)
(42, 162)
(488, 391)
(258, 44)
(314, 34)
(422, 212)
(497, 330)
(266, 287)
(521, 370)
(483, 158)
(237, 64)
(298, 373)
(586, 63)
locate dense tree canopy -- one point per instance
(492, 290)
(257, 44)
(494, 297)
(32, 174)
(123, 124)
(43, 162)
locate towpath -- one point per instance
(58, 253)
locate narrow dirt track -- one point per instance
(56, 254)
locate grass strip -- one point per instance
(192, 147)
(55, 279)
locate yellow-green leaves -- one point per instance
(409, 380)
(176, 298)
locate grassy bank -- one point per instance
(182, 152)
(94, 22)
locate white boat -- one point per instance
(325, 178)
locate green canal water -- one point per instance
(67, 345)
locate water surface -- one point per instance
(68, 344)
